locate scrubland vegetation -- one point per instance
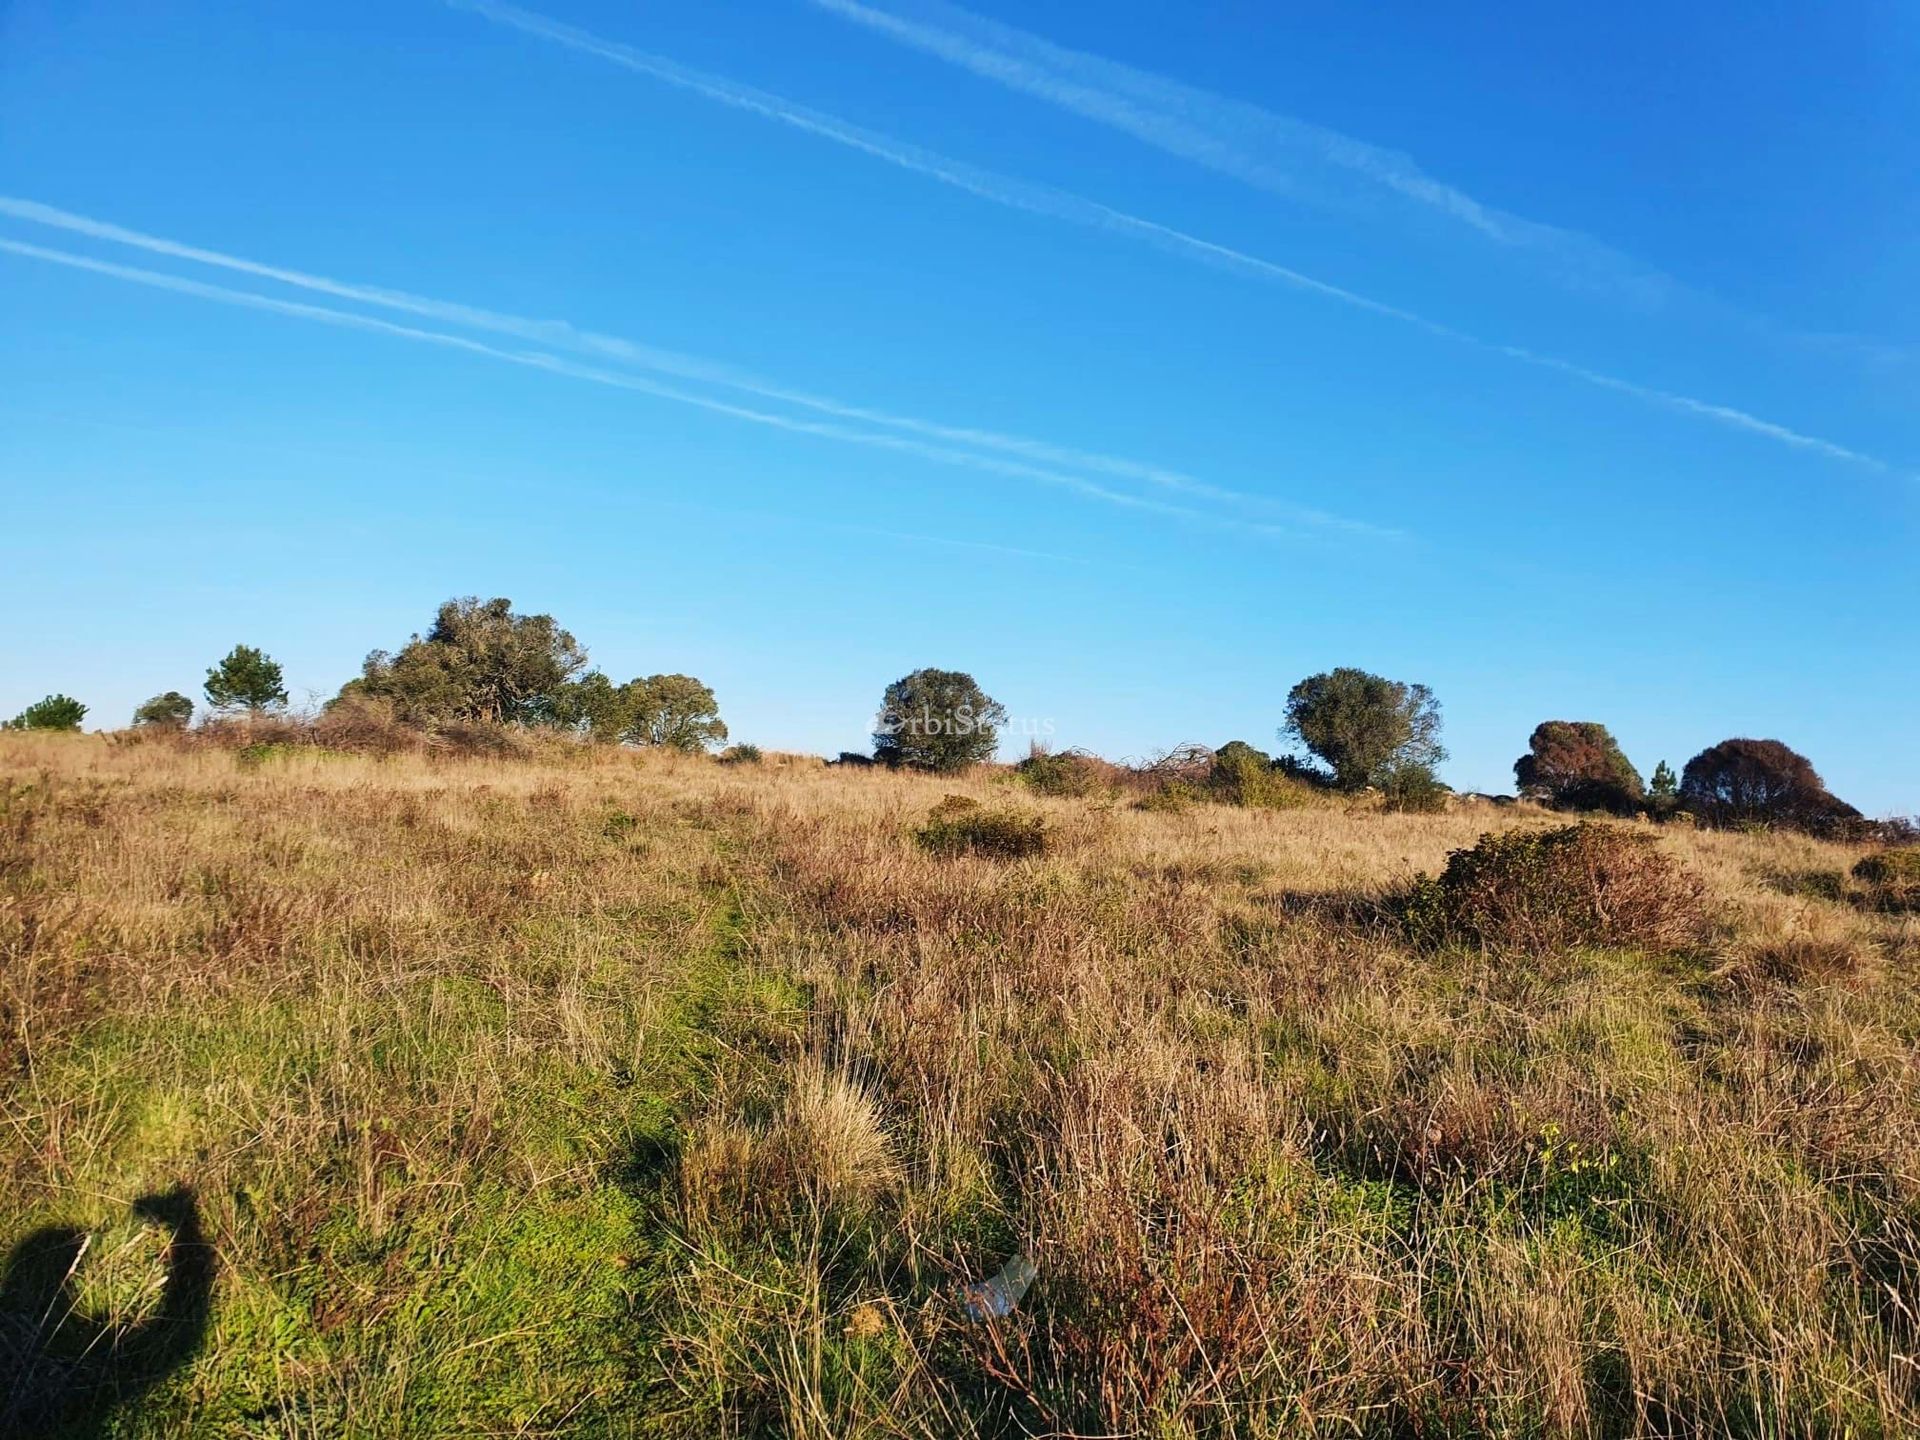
(578, 1089)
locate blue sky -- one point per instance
(1139, 359)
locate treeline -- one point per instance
(483, 672)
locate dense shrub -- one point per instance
(1578, 765)
(1071, 772)
(56, 712)
(1761, 782)
(366, 725)
(959, 825)
(1243, 775)
(1538, 891)
(1892, 879)
(1411, 788)
(853, 758)
(742, 754)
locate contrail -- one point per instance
(1232, 137)
(567, 336)
(555, 365)
(1063, 205)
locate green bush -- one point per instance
(1242, 775)
(959, 825)
(1070, 773)
(1413, 789)
(742, 754)
(56, 712)
(1892, 879)
(1538, 891)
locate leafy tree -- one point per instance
(480, 661)
(593, 703)
(1761, 782)
(247, 679)
(1665, 785)
(676, 711)
(1360, 724)
(937, 720)
(1578, 765)
(55, 712)
(170, 711)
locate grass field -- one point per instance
(598, 1094)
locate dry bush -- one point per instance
(366, 725)
(1892, 878)
(961, 825)
(1069, 773)
(1540, 891)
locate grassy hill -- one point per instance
(593, 1094)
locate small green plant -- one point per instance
(1538, 891)
(56, 712)
(960, 825)
(742, 754)
(619, 825)
(1892, 879)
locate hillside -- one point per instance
(599, 1094)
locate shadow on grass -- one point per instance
(70, 1372)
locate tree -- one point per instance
(55, 712)
(479, 661)
(937, 720)
(1762, 782)
(594, 704)
(676, 711)
(170, 711)
(246, 680)
(1578, 765)
(1360, 724)
(1665, 785)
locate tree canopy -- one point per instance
(247, 679)
(1360, 724)
(479, 661)
(1577, 764)
(1759, 781)
(55, 712)
(937, 720)
(170, 711)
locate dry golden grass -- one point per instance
(581, 1093)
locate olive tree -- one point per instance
(1362, 724)
(937, 720)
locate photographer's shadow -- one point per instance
(69, 1372)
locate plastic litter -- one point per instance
(994, 1297)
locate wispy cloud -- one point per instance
(1273, 152)
(562, 334)
(1062, 205)
(556, 365)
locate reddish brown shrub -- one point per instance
(1539, 891)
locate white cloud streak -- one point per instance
(561, 334)
(1272, 152)
(555, 365)
(1062, 205)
